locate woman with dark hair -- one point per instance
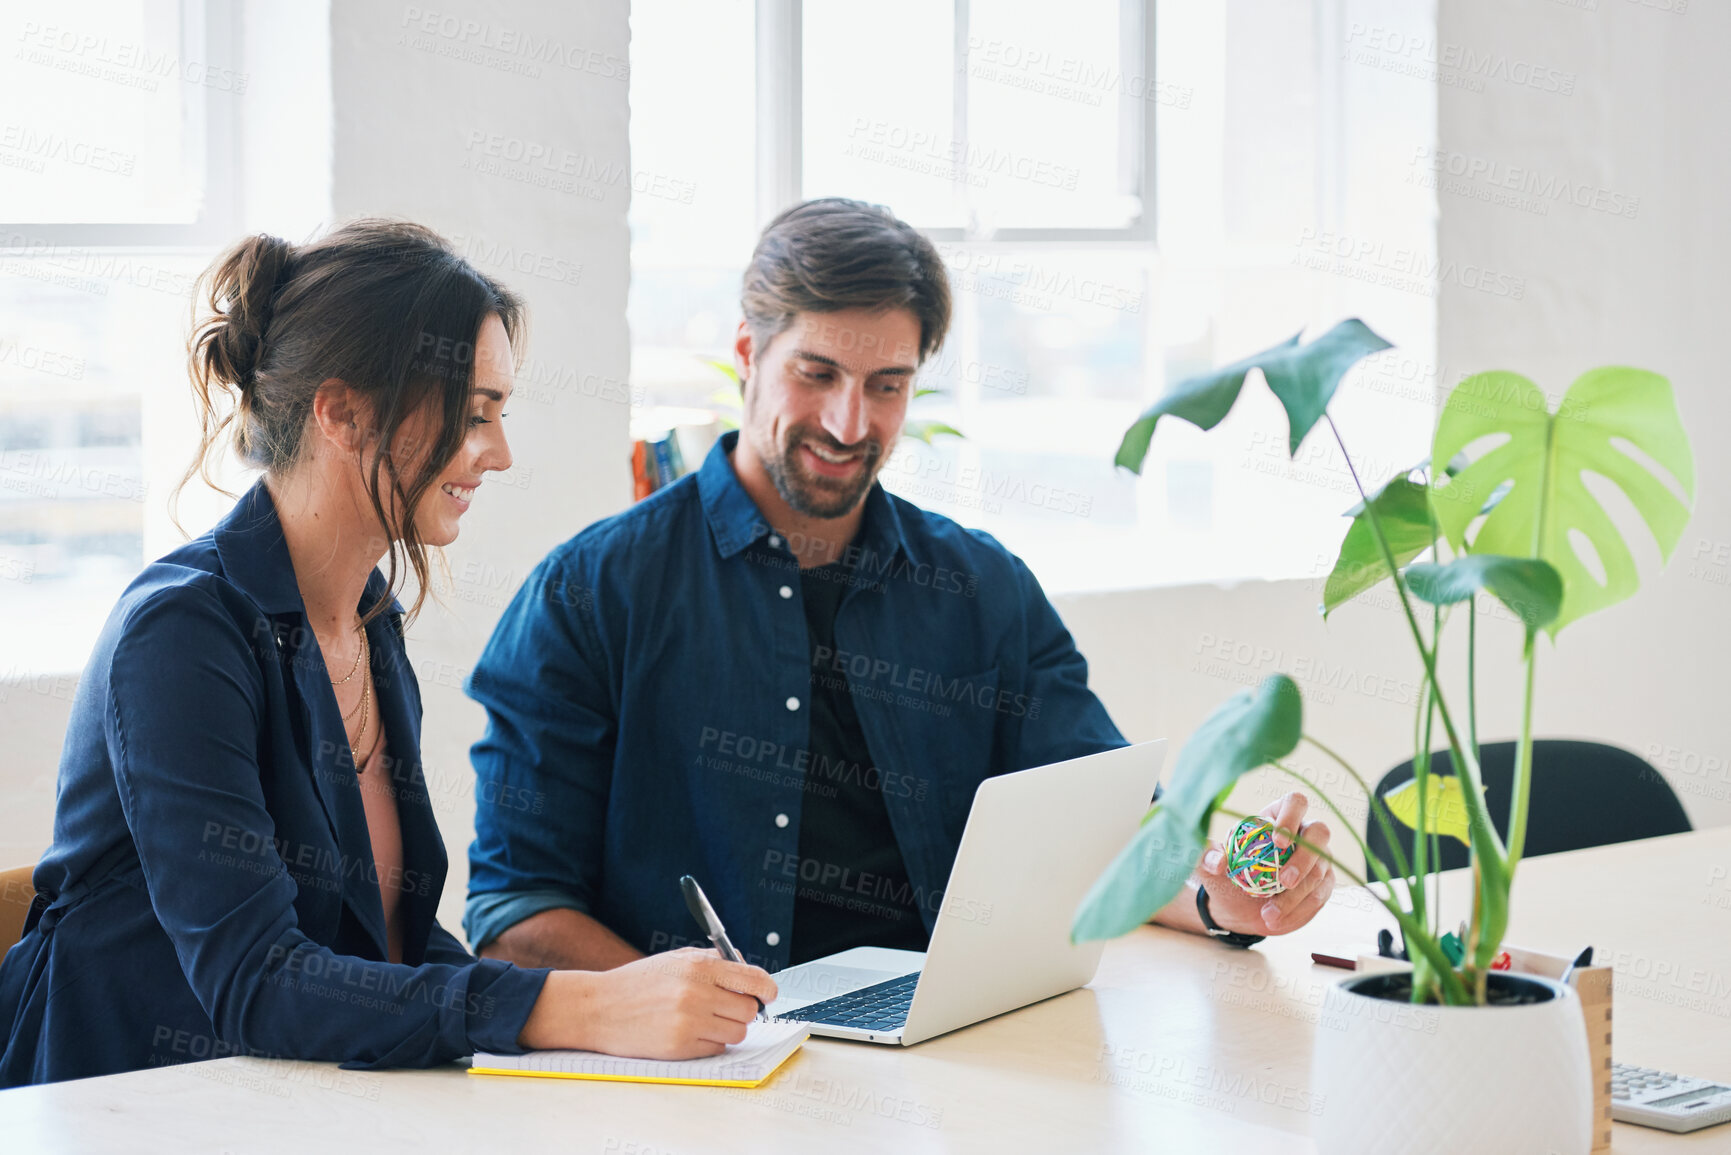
(245, 857)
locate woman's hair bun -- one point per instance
(238, 292)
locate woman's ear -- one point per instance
(339, 414)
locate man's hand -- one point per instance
(682, 1004)
(1307, 878)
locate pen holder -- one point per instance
(1592, 986)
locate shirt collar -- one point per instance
(736, 522)
(255, 557)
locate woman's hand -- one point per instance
(682, 1004)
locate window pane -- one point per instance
(85, 336)
(99, 113)
(1051, 106)
(878, 108)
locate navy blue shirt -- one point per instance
(211, 888)
(648, 716)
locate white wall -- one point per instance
(1644, 118)
(430, 112)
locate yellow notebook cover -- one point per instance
(746, 1064)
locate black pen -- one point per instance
(698, 904)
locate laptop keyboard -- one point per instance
(879, 1007)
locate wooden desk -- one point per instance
(1179, 1045)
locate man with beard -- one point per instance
(777, 677)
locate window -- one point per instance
(1123, 192)
(116, 186)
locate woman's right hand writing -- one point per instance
(681, 1004)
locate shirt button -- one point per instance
(781, 820)
(772, 939)
(774, 541)
(786, 591)
(793, 703)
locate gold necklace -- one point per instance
(358, 653)
(366, 712)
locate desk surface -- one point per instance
(1178, 1045)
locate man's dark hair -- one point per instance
(831, 254)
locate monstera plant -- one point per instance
(1502, 508)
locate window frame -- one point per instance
(207, 29)
(780, 126)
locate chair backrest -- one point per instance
(1584, 794)
(16, 891)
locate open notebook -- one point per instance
(746, 1064)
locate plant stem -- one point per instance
(1523, 764)
(1485, 831)
(1377, 806)
(1472, 674)
(1370, 860)
(1420, 739)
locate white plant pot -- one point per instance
(1413, 1080)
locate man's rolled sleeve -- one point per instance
(544, 767)
(486, 916)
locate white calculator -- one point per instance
(1666, 1101)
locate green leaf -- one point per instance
(724, 367)
(1403, 510)
(1147, 874)
(1249, 730)
(1531, 588)
(926, 430)
(1445, 806)
(1542, 462)
(1302, 377)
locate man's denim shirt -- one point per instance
(646, 694)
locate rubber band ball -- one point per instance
(1252, 859)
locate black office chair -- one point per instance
(1584, 794)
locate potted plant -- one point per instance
(1496, 510)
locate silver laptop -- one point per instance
(1035, 842)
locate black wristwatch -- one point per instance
(1220, 933)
